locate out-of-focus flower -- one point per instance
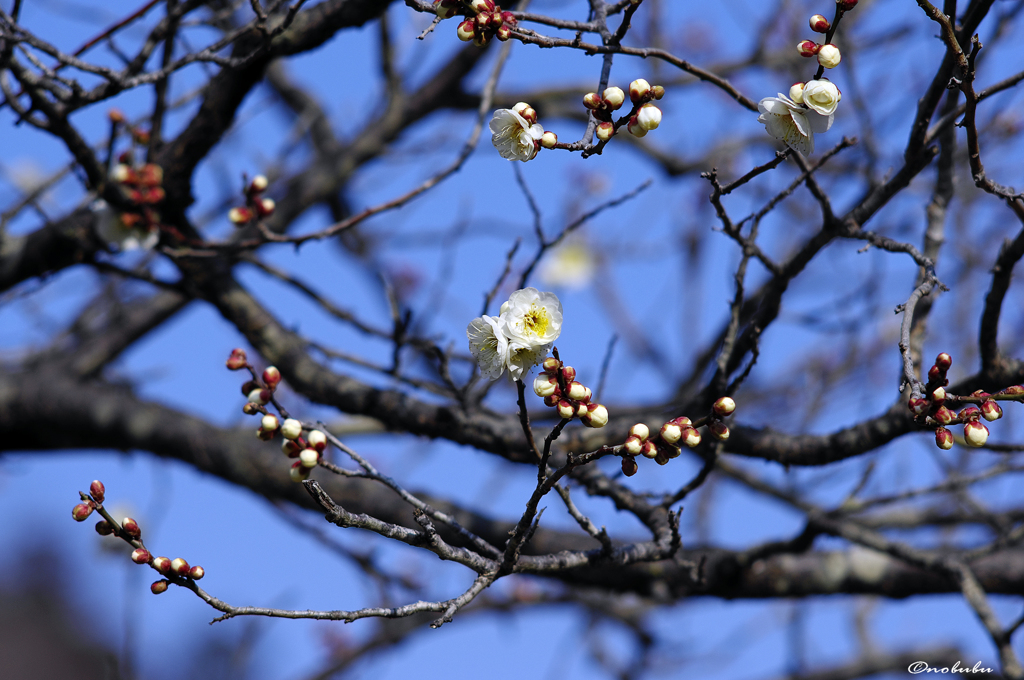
(571, 265)
(513, 137)
(791, 123)
(821, 96)
(114, 230)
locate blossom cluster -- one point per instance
(667, 443)
(932, 410)
(256, 204)
(560, 389)
(519, 337)
(485, 20)
(130, 532)
(811, 105)
(307, 449)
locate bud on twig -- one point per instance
(975, 433)
(819, 24)
(162, 564)
(807, 48)
(140, 556)
(271, 376)
(97, 491)
(724, 406)
(943, 438)
(990, 410)
(309, 458)
(159, 586)
(638, 89)
(317, 440)
(104, 528)
(829, 56)
(629, 466)
(131, 527)
(237, 359)
(179, 566)
(640, 431)
(719, 431)
(196, 573)
(633, 445)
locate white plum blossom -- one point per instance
(821, 96)
(514, 137)
(789, 122)
(521, 336)
(112, 229)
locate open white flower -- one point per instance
(821, 96)
(488, 345)
(791, 123)
(532, 318)
(513, 137)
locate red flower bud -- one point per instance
(81, 512)
(97, 491)
(104, 528)
(808, 48)
(719, 431)
(159, 586)
(1014, 390)
(944, 416)
(568, 374)
(131, 527)
(162, 564)
(180, 566)
(196, 573)
(629, 466)
(271, 376)
(649, 449)
(990, 410)
(140, 556)
(917, 406)
(551, 365)
(237, 359)
(943, 438)
(819, 24)
(943, 361)
(970, 413)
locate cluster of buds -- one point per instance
(828, 54)
(309, 449)
(140, 183)
(130, 532)
(642, 117)
(667, 443)
(484, 20)
(558, 386)
(932, 409)
(256, 204)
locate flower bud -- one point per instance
(719, 431)
(140, 556)
(658, 91)
(807, 48)
(159, 586)
(969, 413)
(576, 390)
(633, 444)
(510, 19)
(943, 438)
(829, 56)
(581, 409)
(681, 421)
(649, 117)
(596, 415)
(990, 410)
(526, 111)
(291, 428)
(317, 440)
(938, 395)
(553, 399)
(568, 374)
(122, 174)
(691, 437)
(796, 93)
(240, 216)
(551, 365)
(180, 566)
(671, 432)
(935, 374)
(250, 409)
(975, 433)
(466, 30)
(237, 359)
(259, 183)
(479, 6)
(309, 458)
(944, 361)
(548, 140)
(97, 491)
(671, 451)
(944, 416)
(1013, 390)
(162, 564)
(444, 9)
(724, 406)
(638, 89)
(151, 175)
(298, 472)
(259, 396)
(629, 466)
(250, 385)
(290, 448)
(649, 449)
(196, 573)
(264, 435)
(819, 24)
(565, 409)
(634, 128)
(131, 527)
(269, 423)
(115, 116)
(605, 131)
(846, 5)
(271, 376)
(613, 97)
(661, 457)
(592, 101)
(503, 33)
(482, 39)
(640, 431)
(917, 406)
(104, 528)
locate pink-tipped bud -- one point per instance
(162, 564)
(317, 440)
(503, 33)
(638, 90)
(551, 365)
(819, 24)
(309, 457)
(943, 361)
(196, 573)
(990, 410)
(938, 395)
(549, 139)
(444, 9)
(917, 406)
(269, 423)
(291, 428)
(629, 466)
(807, 48)
(259, 396)
(97, 491)
(605, 131)
(935, 374)
(943, 438)
(1013, 390)
(159, 586)
(577, 390)
(613, 97)
(528, 113)
(633, 445)
(634, 128)
(259, 183)
(565, 409)
(681, 421)
(724, 406)
(466, 30)
(846, 5)
(568, 374)
(596, 416)
(649, 449)
(509, 18)
(239, 216)
(592, 101)
(975, 433)
(237, 360)
(479, 6)
(719, 431)
(829, 56)
(544, 385)
(944, 416)
(141, 556)
(671, 432)
(298, 472)
(131, 527)
(180, 566)
(970, 413)
(691, 437)
(104, 528)
(553, 399)
(290, 448)
(271, 376)
(640, 431)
